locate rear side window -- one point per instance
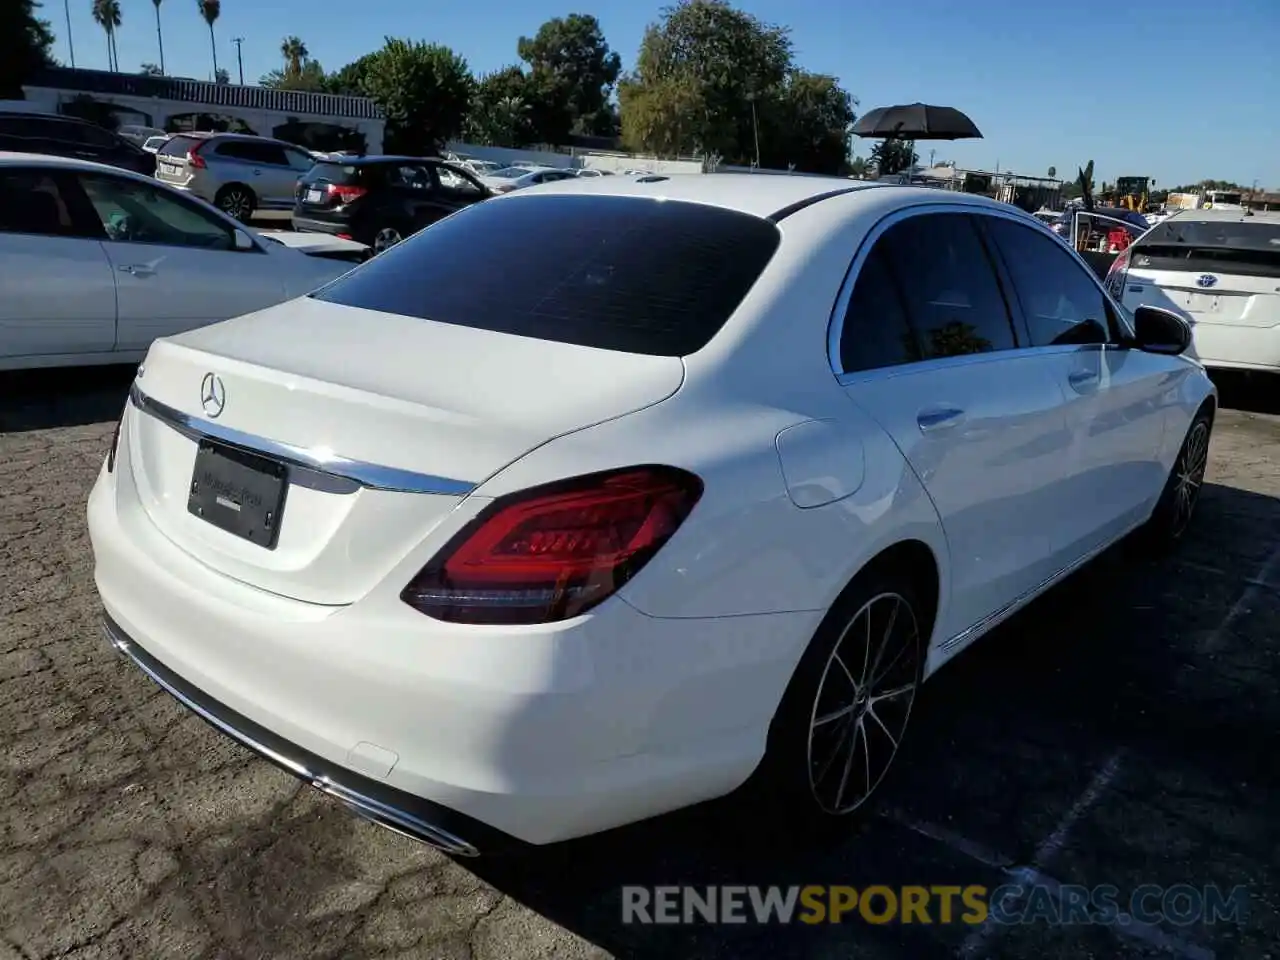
(1248, 246)
(952, 296)
(876, 332)
(633, 274)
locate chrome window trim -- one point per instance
(835, 323)
(333, 474)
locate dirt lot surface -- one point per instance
(1122, 730)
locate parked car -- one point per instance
(482, 168)
(519, 177)
(153, 144)
(237, 173)
(580, 506)
(61, 136)
(381, 200)
(1221, 270)
(96, 262)
(138, 135)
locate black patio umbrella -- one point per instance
(916, 121)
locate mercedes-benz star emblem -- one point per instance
(213, 395)
(1206, 280)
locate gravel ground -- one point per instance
(1121, 730)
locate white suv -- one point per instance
(237, 173)
(1220, 269)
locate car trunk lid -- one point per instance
(377, 426)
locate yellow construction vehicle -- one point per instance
(1132, 193)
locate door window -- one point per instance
(458, 183)
(952, 296)
(132, 211)
(410, 176)
(251, 151)
(876, 332)
(1061, 303)
(32, 202)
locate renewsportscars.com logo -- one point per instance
(1014, 903)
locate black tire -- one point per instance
(384, 236)
(1177, 503)
(238, 201)
(824, 727)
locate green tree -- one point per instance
(424, 90)
(310, 76)
(221, 76)
(159, 35)
(151, 70)
(860, 168)
(712, 79)
(27, 47)
(295, 54)
(571, 76)
(106, 13)
(893, 156)
(501, 113)
(210, 11)
(806, 125)
(350, 79)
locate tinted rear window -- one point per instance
(179, 146)
(1247, 247)
(333, 173)
(634, 274)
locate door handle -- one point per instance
(940, 419)
(1082, 378)
(138, 270)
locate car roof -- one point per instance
(762, 195)
(9, 158)
(380, 158)
(43, 115)
(1215, 215)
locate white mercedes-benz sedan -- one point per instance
(96, 262)
(608, 497)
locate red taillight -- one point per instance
(344, 194)
(1116, 275)
(193, 157)
(555, 551)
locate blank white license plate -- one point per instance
(171, 168)
(315, 196)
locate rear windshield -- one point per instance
(634, 274)
(1249, 247)
(179, 146)
(339, 173)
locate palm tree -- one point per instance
(210, 10)
(106, 13)
(295, 54)
(159, 35)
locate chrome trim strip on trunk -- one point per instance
(333, 474)
(382, 814)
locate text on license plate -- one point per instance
(315, 196)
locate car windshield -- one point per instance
(509, 173)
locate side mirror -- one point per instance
(244, 241)
(1157, 330)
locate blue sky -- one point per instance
(1176, 90)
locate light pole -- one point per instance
(239, 59)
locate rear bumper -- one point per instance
(1235, 347)
(420, 819)
(540, 734)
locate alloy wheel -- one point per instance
(1188, 475)
(385, 238)
(236, 203)
(863, 703)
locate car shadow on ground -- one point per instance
(1251, 392)
(1159, 671)
(71, 397)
